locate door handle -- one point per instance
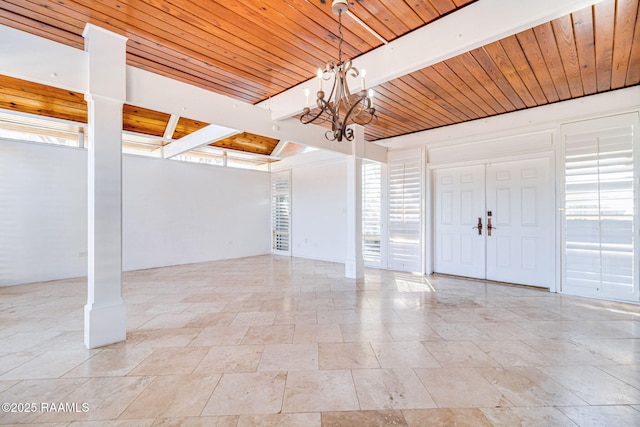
(490, 227)
(479, 226)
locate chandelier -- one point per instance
(341, 108)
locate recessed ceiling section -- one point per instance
(144, 121)
(247, 142)
(37, 99)
(186, 127)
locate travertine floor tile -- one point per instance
(319, 391)
(219, 335)
(276, 334)
(460, 388)
(226, 421)
(336, 356)
(111, 362)
(363, 418)
(514, 353)
(117, 423)
(593, 385)
(308, 317)
(171, 361)
(254, 318)
(390, 389)
(446, 417)
(629, 374)
(36, 391)
(403, 355)
(317, 333)
(459, 354)
(172, 396)
(602, 415)
(292, 420)
(524, 386)
(289, 357)
(241, 394)
(106, 398)
(230, 359)
(52, 364)
(527, 417)
(365, 332)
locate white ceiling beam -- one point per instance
(36, 59)
(279, 148)
(171, 126)
(206, 135)
(473, 26)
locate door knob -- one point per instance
(479, 226)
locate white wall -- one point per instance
(318, 210)
(43, 212)
(173, 212)
(179, 213)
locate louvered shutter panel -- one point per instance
(599, 213)
(371, 213)
(405, 214)
(280, 211)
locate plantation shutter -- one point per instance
(371, 213)
(405, 213)
(600, 236)
(280, 212)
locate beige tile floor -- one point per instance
(267, 341)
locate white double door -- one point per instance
(495, 222)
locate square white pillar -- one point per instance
(354, 264)
(105, 314)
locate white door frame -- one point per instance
(555, 238)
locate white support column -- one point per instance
(354, 264)
(104, 314)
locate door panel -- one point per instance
(459, 202)
(519, 248)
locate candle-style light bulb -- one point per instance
(306, 94)
(320, 78)
(371, 96)
(363, 73)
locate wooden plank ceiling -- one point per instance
(253, 49)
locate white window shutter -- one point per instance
(372, 213)
(405, 213)
(280, 212)
(599, 232)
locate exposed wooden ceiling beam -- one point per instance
(475, 25)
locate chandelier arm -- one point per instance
(325, 107)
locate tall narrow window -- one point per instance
(599, 212)
(371, 213)
(280, 212)
(405, 214)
